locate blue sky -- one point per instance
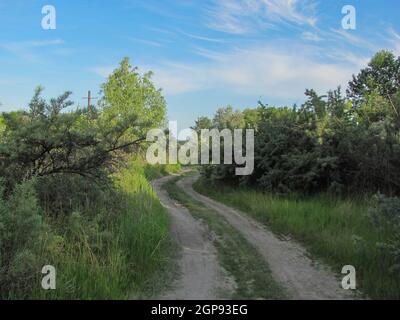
(205, 54)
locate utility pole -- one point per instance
(89, 99)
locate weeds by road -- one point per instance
(338, 231)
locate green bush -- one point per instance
(111, 243)
(20, 230)
(65, 202)
(106, 242)
(331, 143)
(385, 213)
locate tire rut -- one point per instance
(201, 276)
(288, 260)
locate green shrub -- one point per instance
(20, 229)
(385, 210)
(385, 213)
(112, 243)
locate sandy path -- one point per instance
(202, 278)
(287, 260)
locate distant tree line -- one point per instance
(341, 143)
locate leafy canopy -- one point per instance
(51, 139)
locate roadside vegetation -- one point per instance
(75, 191)
(336, 230)
(75, 194)
(326, 172)
(252, 276)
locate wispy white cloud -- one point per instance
(320, 57)
(390, 40)
(341, 56)
(24, 49)
(244, 16)
(24, 46)
(350, 38)
(394, 39)
(203, 38)
(290, 10)
(310, 36)
(146, 42)
(264, 70)
(232, 16)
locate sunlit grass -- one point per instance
(336, 230)
(123, 254)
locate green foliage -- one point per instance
(328, 143)
(109, 243)
(20, 241)
(67, 199)
(127, 94)
(385, 213)
(202, 123)
(2, 126)
(252, 118)
(336, 145)
(114, 245)
(45, 142)
(228, 118)
(336, 230)
(381, 76)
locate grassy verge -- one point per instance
(114, 244)
(236, 255)
(119, 254)
(153, 172)
(338, 231)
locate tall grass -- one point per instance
(336, 230)
(113, 246)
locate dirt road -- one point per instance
(288, 260)
(201, 278)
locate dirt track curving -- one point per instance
(201, 278)
(288, 260)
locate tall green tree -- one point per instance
(202, 123)
(382, 76)
(228, 118)
(127, 94)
